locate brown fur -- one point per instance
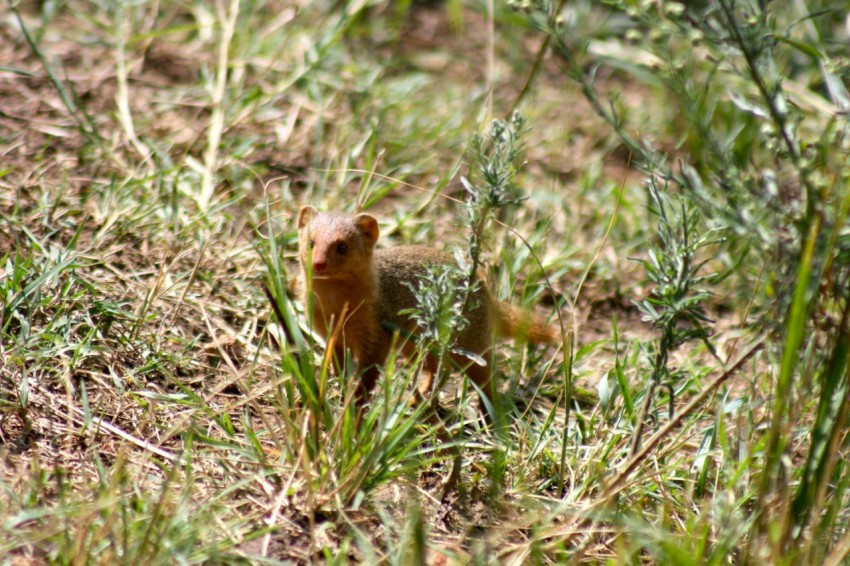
(359, 289)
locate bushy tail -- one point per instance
(513, 322)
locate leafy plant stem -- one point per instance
(795, 333)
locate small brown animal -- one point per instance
(361, 288)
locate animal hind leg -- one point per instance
(482, 377)
(426, 378)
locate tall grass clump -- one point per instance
(756, 98)
(447, 291)
(490, 192)
(676, 305)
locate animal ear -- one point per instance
(368, 227)
(305, 215)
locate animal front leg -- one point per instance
(368, 379)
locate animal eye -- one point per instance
(312, 244)
(341, 249)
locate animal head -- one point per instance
(336, 245)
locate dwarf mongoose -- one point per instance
(362, 290)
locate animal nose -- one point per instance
(319, 266)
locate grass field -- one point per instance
(674, 196)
